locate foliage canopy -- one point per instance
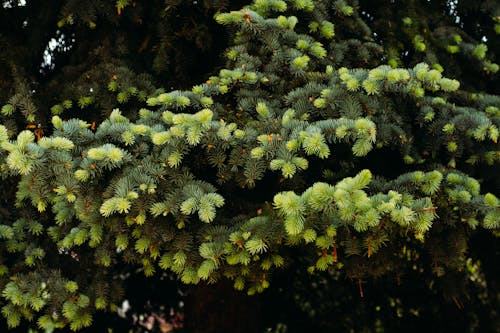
(362, 134)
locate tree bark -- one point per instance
(220, 308)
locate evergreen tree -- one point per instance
(354, 136)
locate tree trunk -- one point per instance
(220, 308)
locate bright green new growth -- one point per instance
(134, 191)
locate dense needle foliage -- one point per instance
(354, 143)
